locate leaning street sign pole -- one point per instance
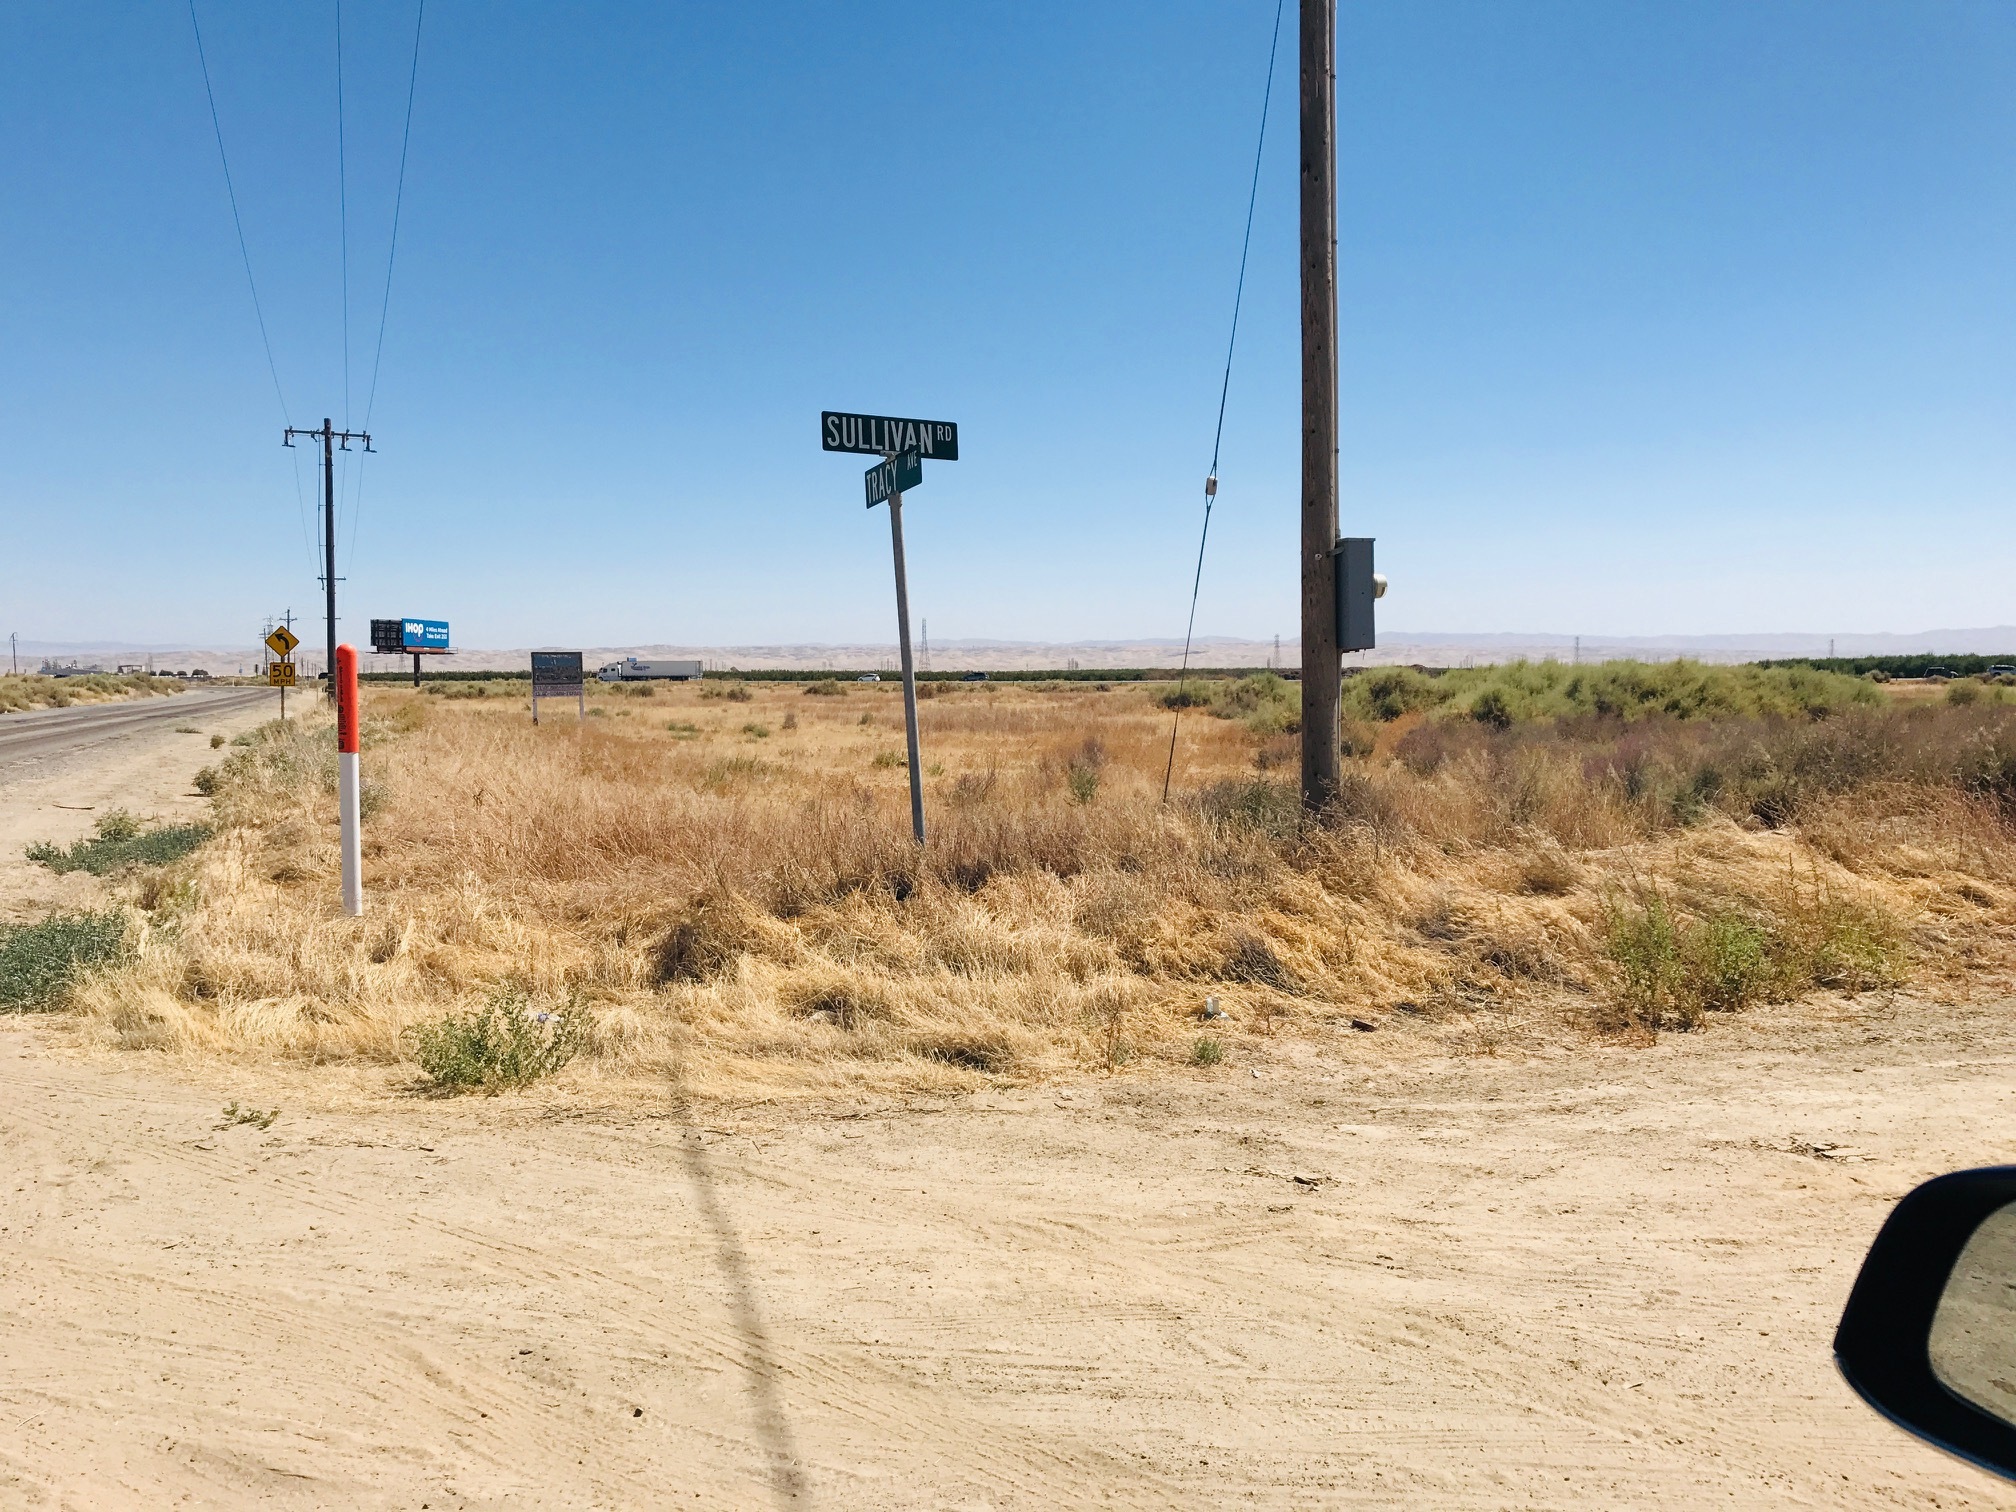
(1322, 662)
(903, 445)
(909, 667)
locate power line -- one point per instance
(1224, 391)
(245, 258)
(391, 254)
(343, 214)
(398, 200)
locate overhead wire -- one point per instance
(245, 258)
(1224, 392)
(391, 254)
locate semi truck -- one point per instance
(630, 669)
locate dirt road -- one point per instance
(41, 733)
(60, 769)
(1603, 1280)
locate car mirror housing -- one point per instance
(1928, 1338)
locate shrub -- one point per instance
(1207, 1052)
(1726, 964)
(826, 687)
(1271, 808)
(505, 1043)
(1644, 945)
(119, 841)
(1186, 695)
(40, 962)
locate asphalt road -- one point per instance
(52, 732)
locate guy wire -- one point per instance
(1224, 390)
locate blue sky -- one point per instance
(1657, 318)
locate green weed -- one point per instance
(40, 962)
(119, 840)
(505, 1043)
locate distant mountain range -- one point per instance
(1420, 647)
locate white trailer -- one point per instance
(630, 669)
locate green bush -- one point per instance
(505, 1043)
(1207, 1052)
(1727, 964)
(1502, 696)
(1186, 695)
(1671, 971)
(40, 962)
(119, 841)
(1269, 705)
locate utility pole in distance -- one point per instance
(330, 438)
(1322, 665)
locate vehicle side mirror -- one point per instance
(1929, 1334)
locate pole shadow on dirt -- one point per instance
(759, 1367)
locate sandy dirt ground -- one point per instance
(1605, 1279)
(1371, 1274)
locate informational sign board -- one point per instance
(880, 435)
(388, 636)
(280, 674)
(899, 474)
(283, 641)
(557, 674)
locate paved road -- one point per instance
(50, 732)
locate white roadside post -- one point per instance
(347, 787)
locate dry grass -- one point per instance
(22, 691)
(745, 913)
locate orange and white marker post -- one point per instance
(346, 779)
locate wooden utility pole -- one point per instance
(330, 438)
(1322, 664)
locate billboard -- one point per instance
(423, 635)
(397, 637)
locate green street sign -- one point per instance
(899, 474)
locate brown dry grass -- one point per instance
(727, 887)
(24, 690)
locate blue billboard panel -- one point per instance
(424, 635)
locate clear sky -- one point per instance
(1656, 317)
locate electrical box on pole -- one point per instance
(1358, 586)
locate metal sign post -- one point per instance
(897, 471)
(903, 445)
(280, 674)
